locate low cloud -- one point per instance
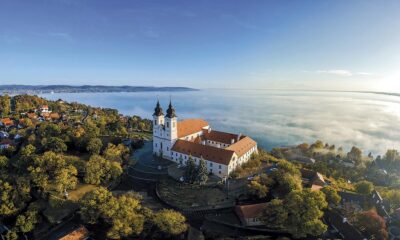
(342, 72)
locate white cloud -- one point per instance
(341, 72)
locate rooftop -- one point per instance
(190, 126)
(218, 155)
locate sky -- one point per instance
(252, 44)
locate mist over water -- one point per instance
(273, 118)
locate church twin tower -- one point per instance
(165, 131)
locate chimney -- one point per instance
(239, 136)
(209, 130)
(232, 141)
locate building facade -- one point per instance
(193, 138)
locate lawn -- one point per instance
(80, 190)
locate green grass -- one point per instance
(80, 190)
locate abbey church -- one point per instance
(178, 140)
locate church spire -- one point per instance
(171, 110)
(158, 110)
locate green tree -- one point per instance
(285, 178)
(259, 186)
(191, 173)
(202, 172)
(26, 222)
(170, 222)
(96, 204)
(100, 170)
(115, 152)
(51, 169)
(275, 214)
(305, 211)
(355, 155)
(331, 195)
(54, 144)
(47, 129)
(12, 196)
(5, 107)
(364, 187)
(3, 162)
(94, 146)
(299, 213)
(124, 214)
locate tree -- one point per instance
(285, 178)
(373, 224)
(51, 169)
(26, 222)
(202, 172)
(127, 219)
(96, 204)
(100, 170)
(305, 213)
(3, 162)
(191, 172)
(12, 196)
(259, 186)
(124, 214)
(115, 152)
(331, 195)
(318, 144)
(170, 222)
(94, 146)
(47, 129)
(54, 144)
(355, 155)
(275, 214)
(299, 213)
(364, 187)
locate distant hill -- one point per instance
(37, 89)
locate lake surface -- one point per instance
(273, 118)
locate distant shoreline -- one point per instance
(43, 89)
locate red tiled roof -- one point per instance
(190, 126)
(218, 136)
(7, 121)
(250, 211)
(77, 234)
(242, 146)
(218, 155)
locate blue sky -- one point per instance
(338, 45)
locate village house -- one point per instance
(44, 109)
(312, 179)
(6, 122)
(249, 215)
(193, 138)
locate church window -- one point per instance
(219, 166)
(155, 122)
(167, 148)
(167, 124)
(211, 164)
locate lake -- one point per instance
(273, 118)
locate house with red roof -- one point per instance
(249, 215)
(193, 138)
